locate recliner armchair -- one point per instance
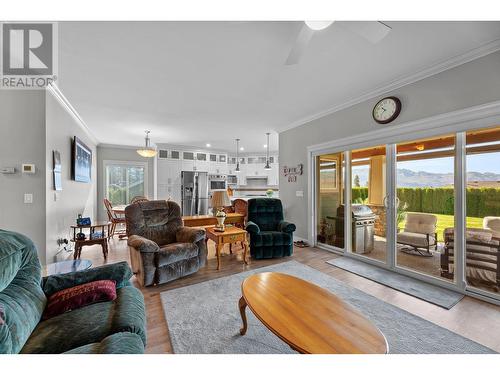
(161, 248)
(270, 235)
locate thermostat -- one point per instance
(28, 168)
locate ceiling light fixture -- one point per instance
(318, 25)
(267, 153)
(237, 155)
(420, 147)
(147, 151)
(242, 148)
(208, 145)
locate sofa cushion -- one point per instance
(90, 324)
(415, 239)
(175, 252)
(21, 297)
(118, 343)
(79, 296)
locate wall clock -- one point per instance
(386, 110)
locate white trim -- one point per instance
(143, 164)
(453, 62)
(127, 147)
(482, 115)
(59, 96)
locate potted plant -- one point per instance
(269, 193)
(401, 214)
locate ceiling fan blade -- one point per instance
(373, 31)
(300, 45)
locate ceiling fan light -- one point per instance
(318, 25)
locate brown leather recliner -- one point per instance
(161, 248)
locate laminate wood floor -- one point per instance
(472, 318)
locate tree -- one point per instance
(356, 181)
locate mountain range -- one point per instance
(409, 178)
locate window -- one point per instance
(201, 157)
(124, 181)
(252, 160)
(174, 155)
(222, 158)
(213, 157)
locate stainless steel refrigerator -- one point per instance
(194, 193)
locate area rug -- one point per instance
(204, 318)
(431, 293)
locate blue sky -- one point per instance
(475, 163)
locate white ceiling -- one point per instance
(193, 83)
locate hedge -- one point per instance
(480, 202)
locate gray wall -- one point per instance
(117, 153)
(22, 140)
(62, 207)
(474, 83)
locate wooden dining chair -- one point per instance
(114, 219)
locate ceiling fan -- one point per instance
(373, 31)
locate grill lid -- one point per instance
(359, 211)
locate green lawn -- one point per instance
(447, 221)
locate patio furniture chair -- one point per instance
(419, 233)
(114, 219)
(482, 253)
(492, 223)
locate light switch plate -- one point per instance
(299, 193)
(28, 198)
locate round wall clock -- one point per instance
(387, 110)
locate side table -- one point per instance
(230, 235)
(97, 234)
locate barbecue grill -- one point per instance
(363, 227)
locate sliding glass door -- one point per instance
(428, 206)
(482, 232)
(425, 215)
(330, 193)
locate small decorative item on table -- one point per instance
(220, 199)
(269, 193)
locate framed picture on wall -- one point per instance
(81, 166)
(57, 169)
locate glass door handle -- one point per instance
(386, 201)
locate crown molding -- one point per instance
(57, 93)
(453, 62)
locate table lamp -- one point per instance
(220, 199)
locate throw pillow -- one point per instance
(80, 296)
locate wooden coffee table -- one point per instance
(230, 235)
(308, 318)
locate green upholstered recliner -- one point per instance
(114, 327)
(270, 235)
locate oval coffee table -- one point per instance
(308, 318)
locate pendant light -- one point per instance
(237, 155)
(147, 151)
(267, 153)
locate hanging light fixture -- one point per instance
(147, 151)
(237, 155)
(267, 153)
